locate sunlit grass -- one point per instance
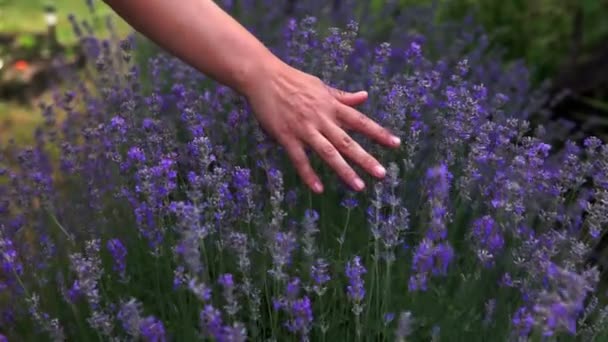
(25, 17)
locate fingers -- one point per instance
(352, 150)
(347, 98)
(357, 121)
(300, 160)
(332, 157)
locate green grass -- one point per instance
(542, 32)
(23, 16)
(17, 122)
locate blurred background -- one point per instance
(563, 42)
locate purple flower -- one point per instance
(235, 333)
(211, 322)
(129, 315)
(404, 326)
(429, 259)
(136, 154)
(356, 285)
(487, 236)
(281, 249)
(320, 276)
(349, 203)
(438, 179)
(523, 322)
(298, 309)
(388, 318)
(8, 255)
(232, 305)
(301, 316)
(152, 330)
(119, 254)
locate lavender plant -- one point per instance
(162, 212)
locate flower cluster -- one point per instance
(152, 206)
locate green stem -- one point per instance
(206, 258)
(70, 237)
(358, 326)
(387, 287)
(275, 314)
(343, 236)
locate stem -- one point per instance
(20, 282)
(377, 268)
(374, 285)
(70, 237)
(343, 236)
(387, 286)
(158, 287)
(206, 258)
(358, 327)
(275, 313)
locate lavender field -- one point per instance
(152, 206)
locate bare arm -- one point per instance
(202, 35)
(296, 108)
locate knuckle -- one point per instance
(299, 160)
(328, 151)
(345, 143)
(384, 134)
(347, 173)
(284, 133)
(305, 172)
(369, 161)
(308, 132)
(362, 121)
(335, 103)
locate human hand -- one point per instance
(298, 109)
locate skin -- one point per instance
(294, 107)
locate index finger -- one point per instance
(359, 122)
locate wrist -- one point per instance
(256, 71)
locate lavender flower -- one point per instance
(119, 254)
(235, 333)
(404, 327)
(49, 325)
(320, 276)
(130, 317)
(8, 253)
(298, 309)
(152, 330)
(309, 225)
(211, 322)
(429, 259)
(356, 285)
(281, 249)
(232, 304)
(438, 191)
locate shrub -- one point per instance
(161, 211)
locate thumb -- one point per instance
(347, 98)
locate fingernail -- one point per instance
(396, 141)
(359, 185)
(317, 187)
(380, 171)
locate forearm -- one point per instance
(201, 34)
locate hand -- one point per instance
(298, 109)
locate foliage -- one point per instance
(169, 215)
(547, 34)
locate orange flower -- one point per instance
(21, 65)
